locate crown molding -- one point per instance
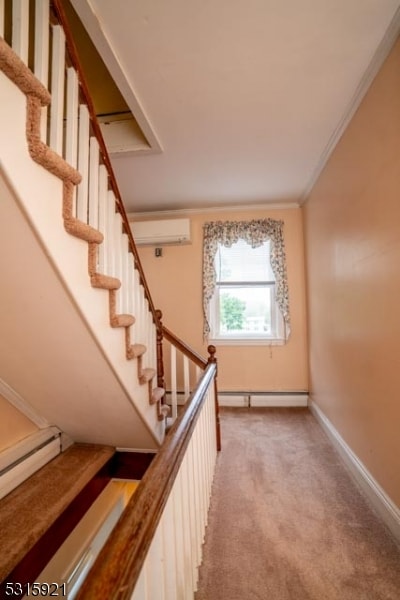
(212, 209)
(372, 70)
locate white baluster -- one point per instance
(149, 337)
(147, 331)
(71, 132)
(117, 256)
(194, 484)
(103, 214)
(197, 466)
(125, 277)
(210, 427)
(94, 161)
(213, 436)
(83, 164)
(154, 568)
(198, 372)
(189, 555)
(204, 469)
(136, 302)
(20, 29)
(174, 396)
(57, 89)
(180, 526)
(152, 336)
(131, 283)
(186, 377)
(2, 12)
(169, 549)
(139, 313)
(141, 328)
(110, 233)
(41, 58)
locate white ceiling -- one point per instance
(245, 97)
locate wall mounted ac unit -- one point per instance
(158, 233)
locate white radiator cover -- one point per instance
(28, 456)
(246, 399)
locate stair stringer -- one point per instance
(40, 194)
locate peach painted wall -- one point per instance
(175, 281)
(352, 232)
(14, 426)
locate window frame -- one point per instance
(254, 233)
(216, 337)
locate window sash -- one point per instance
(276, 321)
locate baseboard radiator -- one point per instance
(263, 399)
(20, 461)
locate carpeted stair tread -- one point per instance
(29, 510)
(147, 375)
(136, 350)
(157, 394)
(122, 320)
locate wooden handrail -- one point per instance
(184, 348)
(118, 566)
(60, 15)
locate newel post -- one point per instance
(213, 359)
(160, 358)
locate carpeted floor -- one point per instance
(286, 520)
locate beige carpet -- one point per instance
(286, 520)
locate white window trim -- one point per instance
(254, 232)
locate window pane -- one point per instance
(246, 310)
(241, 262)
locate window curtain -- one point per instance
(255, 233)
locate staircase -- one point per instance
(81, 342)
(62, 137)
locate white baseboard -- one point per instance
(381, 502)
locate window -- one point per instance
(243, 305)
(245, 295)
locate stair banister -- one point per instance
(122, 560)
(59, 13)
(119, 565)
(194, 357)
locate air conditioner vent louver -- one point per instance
(161, 232)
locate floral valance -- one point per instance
(255, 233)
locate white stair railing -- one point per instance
(156, 548)
(181, 377)
(175, 552)
(170, 509)
(183, 369)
